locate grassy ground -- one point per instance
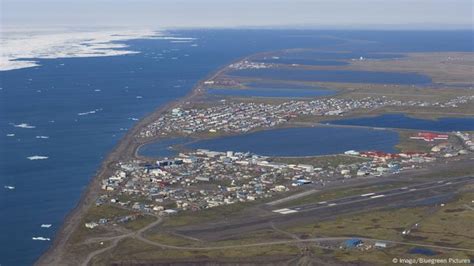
(449, 225)
(321, 161)
(139, 222)
(406, 144)
(216, 213)
(130, 250)
(267, 235)
(94, 213)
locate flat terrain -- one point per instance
(310, 224)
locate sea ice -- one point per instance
(37, 157)
(24, 125)
(20, 44)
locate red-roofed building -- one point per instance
(428, 136)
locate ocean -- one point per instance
(59, 120)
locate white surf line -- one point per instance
(368, 194)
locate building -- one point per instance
(352, 243)
(428, 136)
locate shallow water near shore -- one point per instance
(67, 114)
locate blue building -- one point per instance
(352, 243)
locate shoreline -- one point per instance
(126, 148)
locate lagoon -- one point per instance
(308, 141)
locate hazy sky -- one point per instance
(234, 13)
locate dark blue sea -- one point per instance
(73, 111)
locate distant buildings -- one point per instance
(428, 136)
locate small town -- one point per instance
(202, 179)
(241, 117)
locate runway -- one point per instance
(379, 195)
(428, 193)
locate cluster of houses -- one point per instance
(467, 139)
(116, 220)
(246, 64)
(443, 147)
(238, 117)
(203, 179)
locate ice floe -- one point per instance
(90, 112)
(24, 125)
(10, 135)
(42, 137)
(46, 225)
(37, 157)
(9, 187)
(40, 238)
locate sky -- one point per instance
(370, 14)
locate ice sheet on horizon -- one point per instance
(18, 47)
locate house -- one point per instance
(91, 225)
(352, 243)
